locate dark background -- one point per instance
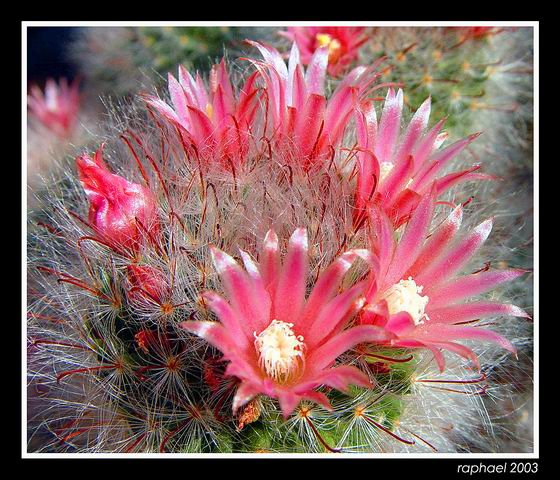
(47, 53)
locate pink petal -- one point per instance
(269, 262)
(288, 402)
(214, 333)
(330, 316)
(273, 57)
(338, 113)
(438, 355)
(474, 310)
(389, 126)
(342, 376)
(383, 240)
(439, 161)
(402, 207)
(220, 110)
(460, 350)
(439, 332)
(455, 258)
(471, 285)
(415, 129)
(316, 71)
(165, 110)
(368, 165)
(319, 398)
(201, 127)
(247, 106)
(445, 183)
(221, 76)
(275, 91)
(412, 240)
(243, 368)
(290, 292)
(190, 88)
(366, 125)
(309, 124)
(179, 101)
(244, 394)
(327, 284)
(426, 145)
(368, 175)
(400, 323)
(252, 308)
(376, 313)
(437, 242)
(299, 90)
(293, 62)
(395, 181)
(201, 93)
(227, 316)
(336, 346)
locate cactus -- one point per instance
(140, 316)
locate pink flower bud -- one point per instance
(147, 283)
(118, 208)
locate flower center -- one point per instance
(405, 297)
(325, 40)
(281, 353)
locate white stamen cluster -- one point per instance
(280, 351)
(405, 297)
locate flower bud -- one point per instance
(147, 283)
(117, 206)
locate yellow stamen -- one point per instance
(325, 40)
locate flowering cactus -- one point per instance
(413, 294)
(279, 344)
(137, 344)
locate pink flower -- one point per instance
(343, 44)
(119, 209)
(301, 117)
(147, 284)
(396, 169)
(57, 109)
(415, 292)
(277, 342)
(217, 122)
